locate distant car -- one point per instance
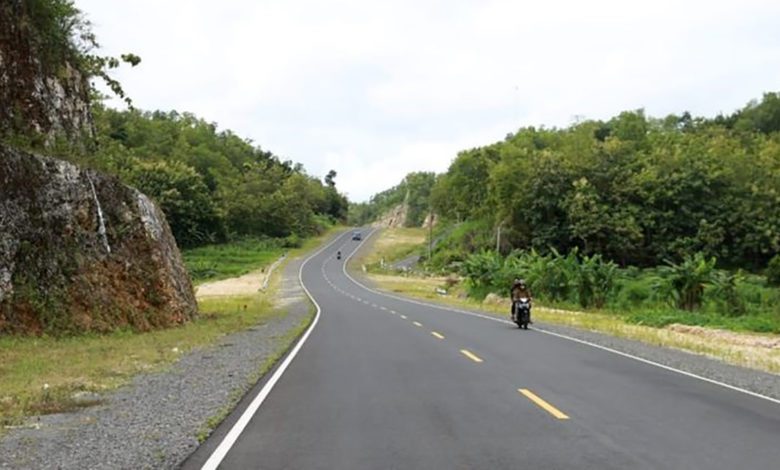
(357, 236)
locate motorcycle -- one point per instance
(521, 312)
(338, 255)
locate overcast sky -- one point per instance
(377, 89)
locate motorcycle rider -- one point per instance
(518, 291)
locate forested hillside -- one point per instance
(673, 220)
(634, 189)
(212, 184)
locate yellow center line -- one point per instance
(416, 323)
(438, 335)
(543, 404)
(403, 316)
(470, 355)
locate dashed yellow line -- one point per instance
(470, 355)
(438, 335)
(416, 323)
(543, 404)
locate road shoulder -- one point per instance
(155, 421)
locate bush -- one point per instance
(631, 293)
(725, 290)
(595, 279)
(773, 271)
(684, 283)
(481, 268)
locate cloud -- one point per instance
(378, 89)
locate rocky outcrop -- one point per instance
(80, 251)
(395, 217)
(42, 95)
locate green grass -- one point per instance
(33, 383)
(214, 262)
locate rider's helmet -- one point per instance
(520, 282)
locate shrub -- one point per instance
(684, 283)
(481, 268)
(773, 271)
(595, 279)
(725, 290)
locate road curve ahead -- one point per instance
(383, 383)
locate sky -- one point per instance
(377, 89)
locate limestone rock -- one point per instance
(80, 251)
(39, 95)
(395, 217)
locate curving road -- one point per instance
(381, 382)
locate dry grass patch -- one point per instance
(392, 244)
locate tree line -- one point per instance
(212, 185)
(636, 190)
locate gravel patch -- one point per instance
(153, 422)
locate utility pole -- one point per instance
(498, 238)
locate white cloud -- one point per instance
(378, 89)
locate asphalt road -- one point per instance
(383, 383)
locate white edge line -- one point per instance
(559, 335)
(230, 438)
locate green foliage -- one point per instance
(725, 289)
(60, 36)
(212, 262)
(773, 271)
(634, 189)
(482, 268)
(212, 185)
(184, 198)
(701, 294)
(595, 280)
(685, 282)
(553, 276)
(761, 117)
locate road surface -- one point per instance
(383, 383)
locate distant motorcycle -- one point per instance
(521, 312)
(338, 255)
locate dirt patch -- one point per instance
(729, 337)
(247, 284)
